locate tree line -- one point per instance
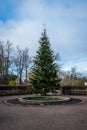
(13, 62)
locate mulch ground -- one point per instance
(71, 101)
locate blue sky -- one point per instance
(21, 22)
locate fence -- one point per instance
(13, 90)
(74, 90)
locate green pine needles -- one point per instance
(44, 72)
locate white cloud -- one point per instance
(66, 28)
(23, 33)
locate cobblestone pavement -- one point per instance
(60, 117)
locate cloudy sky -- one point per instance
(21, 22)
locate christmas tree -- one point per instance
(44, 71)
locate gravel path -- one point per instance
(62, 117)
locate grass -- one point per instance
(43, 98)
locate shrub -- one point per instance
(12, 82)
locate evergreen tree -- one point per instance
(44, 72)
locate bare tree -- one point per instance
(11, 63)
(19, 63)
(27, 61)
(8, 56)
(1, 60)
(22, 62)
(5, 53)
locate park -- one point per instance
(43, 104)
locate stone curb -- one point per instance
(41, 102)
(41, 105)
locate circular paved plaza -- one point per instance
(60, 117)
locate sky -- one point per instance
(21, 22)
